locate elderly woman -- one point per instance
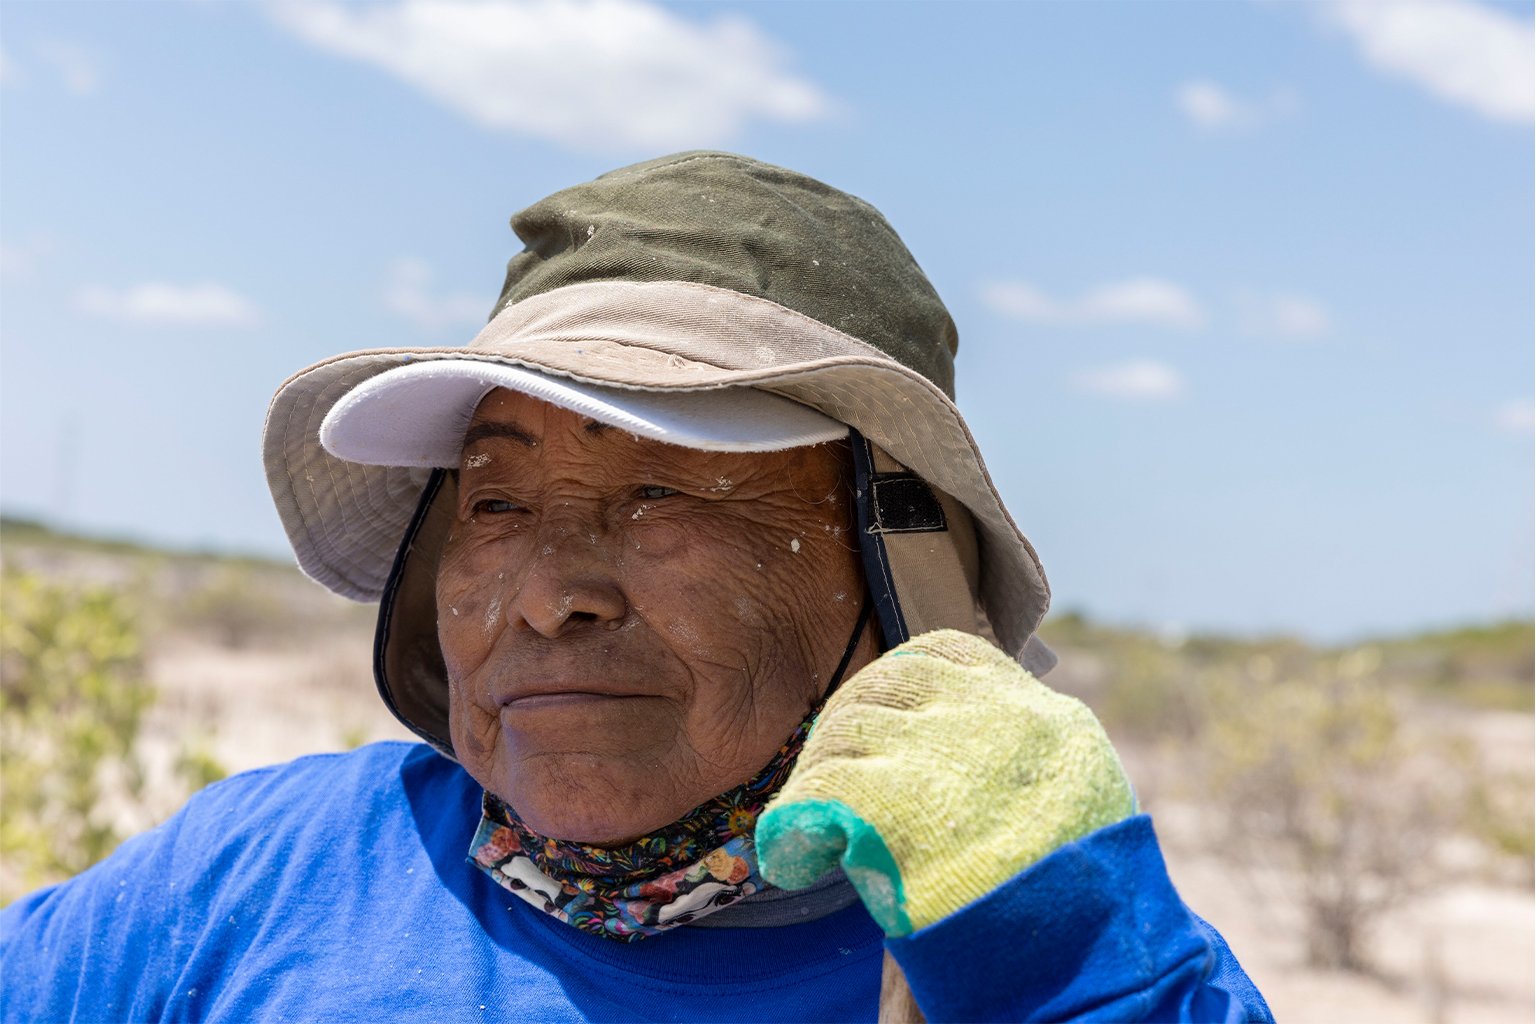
(722, 648)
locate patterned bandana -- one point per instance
(694, 866)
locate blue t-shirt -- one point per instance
(337, 888)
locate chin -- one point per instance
(583, 803)
(594, 830)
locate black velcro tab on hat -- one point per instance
(904, 504)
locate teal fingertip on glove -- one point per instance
(808, 837)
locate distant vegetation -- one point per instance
(235, 599)
(79, 617)
(1333, 777)
(75, 694)
(23, 530)
(1478, 666)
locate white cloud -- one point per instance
(77, 68)
(1216, 108)
(1467, 53)
(10, 73)
(591, 74)
(1140, 300)
(1516, 417)
(15, 261)
(1210, 106)
(1283, 315)
(409, 295)
(1138, 380)
(22, 260)
(170, 305)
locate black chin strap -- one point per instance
(853, 644)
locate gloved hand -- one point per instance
(935, 774)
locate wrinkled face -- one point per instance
(631, 628)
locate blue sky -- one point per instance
(1244, 289)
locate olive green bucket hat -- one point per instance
(695, 274)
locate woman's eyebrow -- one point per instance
(481, 431)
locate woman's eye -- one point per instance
(655, 491)
(495, 506)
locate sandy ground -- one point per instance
(264, 706)
(1461, 955)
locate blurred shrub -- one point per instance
(1322, 792)
(1487, 666)
(74, 700)
(1499, 813)
(198, 767)
(75, 697)
(235, 607)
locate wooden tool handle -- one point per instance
(896, 1003)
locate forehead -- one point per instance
(504, 413)
(510, 419)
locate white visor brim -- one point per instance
(416, 414)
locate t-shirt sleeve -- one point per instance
(92, 948)
(1095, 931)
(107, 945)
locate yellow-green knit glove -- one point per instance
(934, 775)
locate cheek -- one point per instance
(651, 537)
(685, 569)
(734, 600)
(471, 595)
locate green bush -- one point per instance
(74, 700)
(1317, 783)
(236, 606)
(71, 673)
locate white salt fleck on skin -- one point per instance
(794, 545)
(839, 596)
(476, 461)
(642, 510)
(723, 485)
(492, 614)
(685, 632)
(453, 609)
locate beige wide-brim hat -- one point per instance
(577, 313)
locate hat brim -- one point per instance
(417, 415)
(345, 519)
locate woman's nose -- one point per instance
(569, 583)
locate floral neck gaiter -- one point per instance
(696, 865)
